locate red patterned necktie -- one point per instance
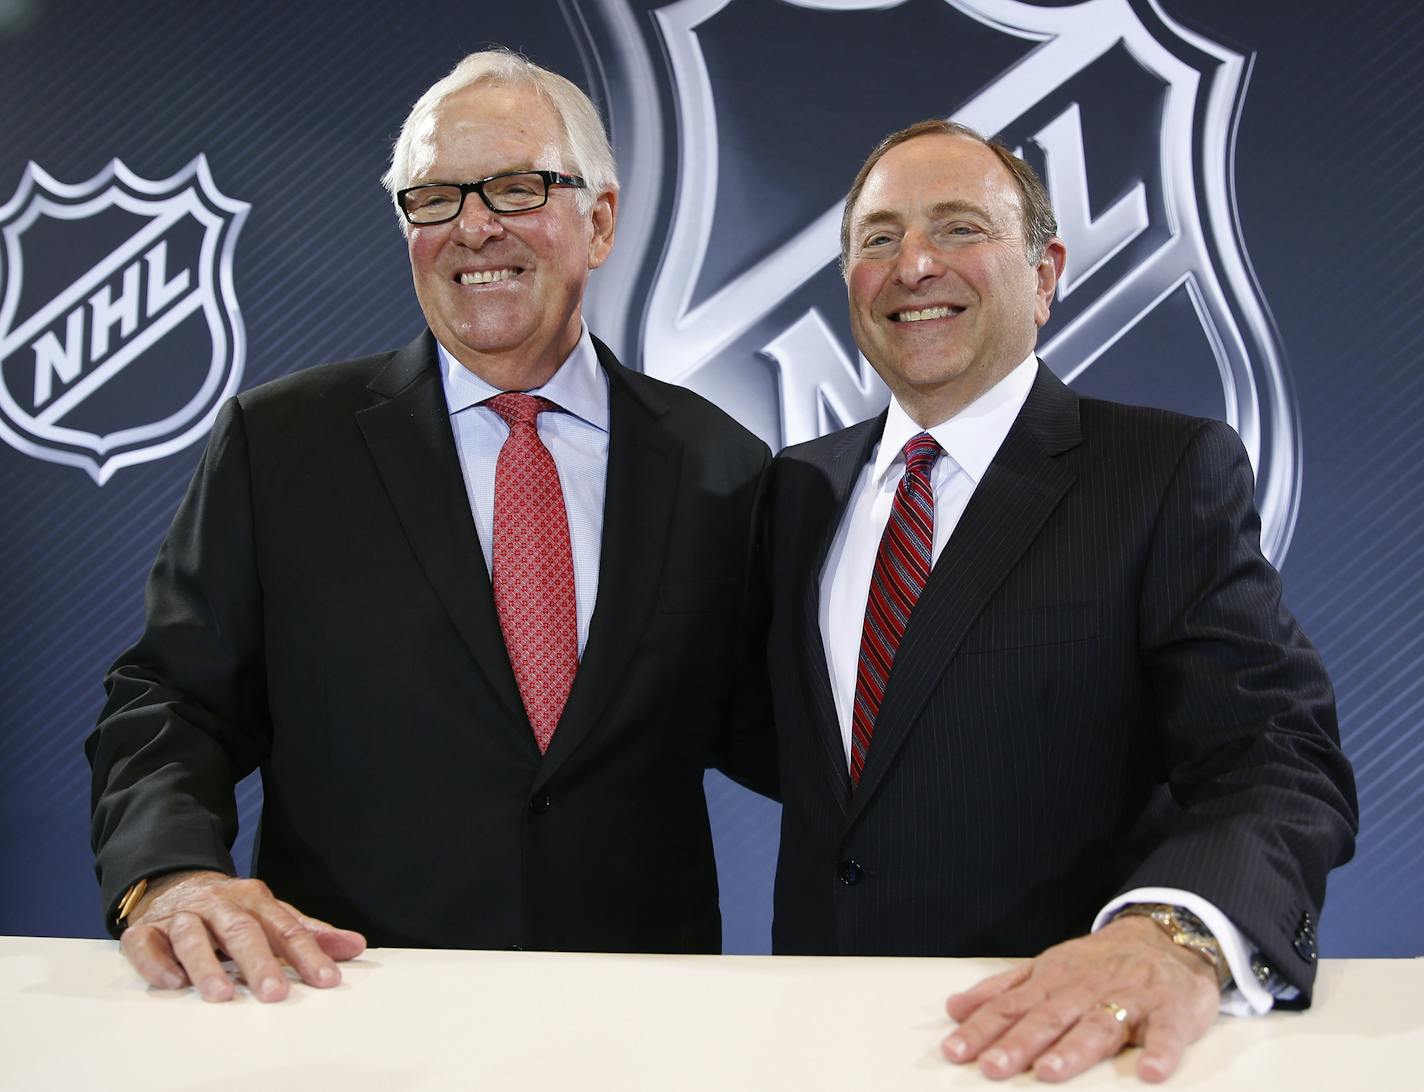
(902, 565)
(533, 566)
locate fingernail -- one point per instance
(213, 987)
(270, 986)
(956, 1047)
(1053, 1062)
(997, 1059)
(328, 976)
(170, 980)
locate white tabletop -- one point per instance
(74, 1017)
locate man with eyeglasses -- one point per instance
(474, 607)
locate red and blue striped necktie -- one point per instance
(902, 565)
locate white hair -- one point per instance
(586, 145)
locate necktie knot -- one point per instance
(518, 408)
(920, 454)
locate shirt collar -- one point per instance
(578, 387)
(973, 436)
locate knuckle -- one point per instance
(1049, 1019)
(1009, 1006)
(1105, 1028)
(252, 888)
(1166, 1043)
(1015, 976)
(204, 902)
(140, 947)
(1165, 1027)
(189, 938)
(240, 929)
(1003, 1007)
(183, 923)
(292, 930)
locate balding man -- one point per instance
(1031, 670)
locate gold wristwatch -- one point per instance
(129, 901)
(1186, 931)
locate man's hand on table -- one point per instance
(185, 918)
(1083, 1001)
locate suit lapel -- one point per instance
(1021, 489)
(821, 517)
(408, 433)
(644, 461)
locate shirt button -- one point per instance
(540, 803)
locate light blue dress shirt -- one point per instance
(576, 436)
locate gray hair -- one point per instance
(585, 140)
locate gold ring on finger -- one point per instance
(1115, 1010)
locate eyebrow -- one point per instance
(936, 211)
(434, 181)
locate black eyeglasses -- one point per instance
(517, 191)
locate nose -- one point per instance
(476, 224)
(919, 260)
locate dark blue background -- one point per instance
(295, 107)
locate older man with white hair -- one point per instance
(475, 609)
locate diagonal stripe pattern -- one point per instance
(533, 567)
(902, 565)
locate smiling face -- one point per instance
(943, 300)
(504, 292)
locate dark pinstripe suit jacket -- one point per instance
(1099, 689)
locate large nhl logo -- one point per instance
(120, 334)
(1129, 116)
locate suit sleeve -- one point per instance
(747, 750)
(1264, 798)
(186, 712)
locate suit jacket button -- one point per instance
(516, 947)
(540, 804)
(849, 873)
(1304, 942)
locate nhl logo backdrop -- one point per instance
(738, 125)
(1128, 116)
(119, 331)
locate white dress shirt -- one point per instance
(577, 438)
(970, 440)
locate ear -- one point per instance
(604, 217)
(1048, 270)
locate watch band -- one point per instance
(130, 900)
(1186, 931)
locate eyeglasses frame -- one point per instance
(551, 179)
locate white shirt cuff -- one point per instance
(1246, 996)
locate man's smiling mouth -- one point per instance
(488, 276)
(926, 313)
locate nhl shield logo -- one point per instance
(1129, 117)
(120, 334)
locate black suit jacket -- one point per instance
(321, 609)
(1099, 689)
